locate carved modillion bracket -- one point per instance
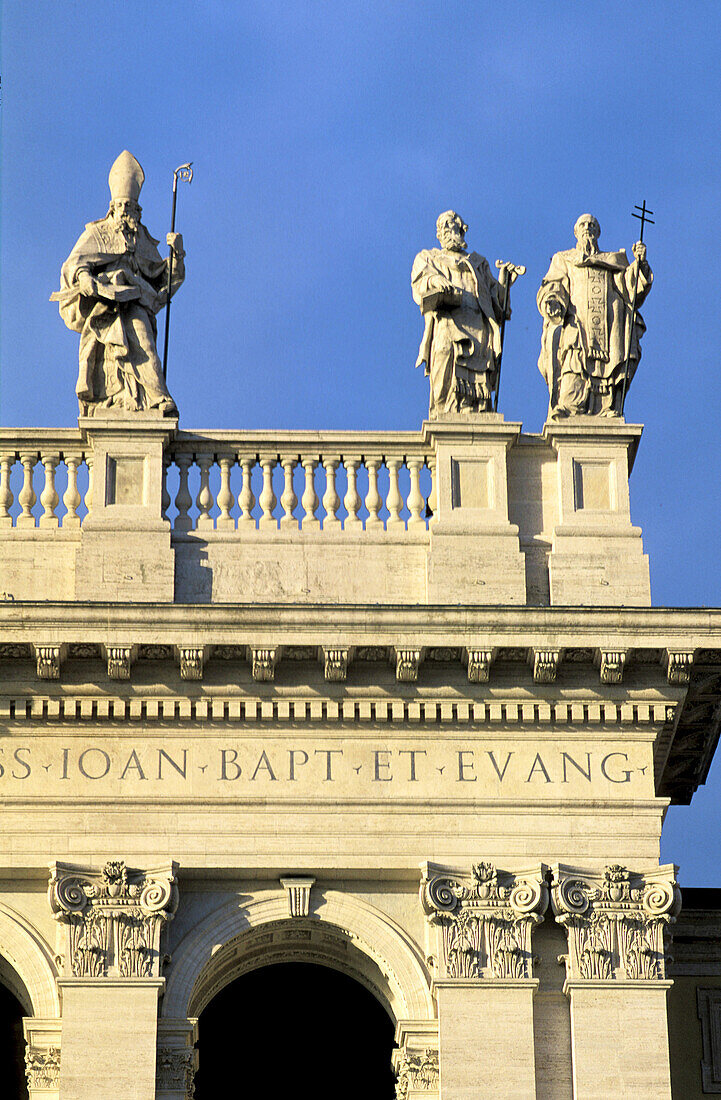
(545, 664)
(263, 662)
(478, 662)
(407, 662)
(611, 663)
(678, 664)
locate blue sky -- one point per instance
(326, 139)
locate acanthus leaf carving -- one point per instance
(42, 1067)
(616, 922)
(485, 919)
(175, 1070)
(417, 1071)
(113, 918)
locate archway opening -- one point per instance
(295, 1028)
(12, 1046)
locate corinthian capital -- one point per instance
(615, 920)
(112, 918)
(481, 922)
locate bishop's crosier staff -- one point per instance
(184, 172)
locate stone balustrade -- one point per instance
(292, 481)
(45, 478)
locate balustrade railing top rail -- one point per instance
(233, 480)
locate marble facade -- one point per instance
(405, 694)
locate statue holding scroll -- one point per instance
(464, 307)
(590, 346)
(113, 284)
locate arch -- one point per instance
(218, 949)
(31, 958)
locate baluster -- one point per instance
(49, 497)
(331, 500)
(246, 500)
(226, 500)
(289, 500)
(71, 496)
(431, 503)
(373, 500)
(204, 499)
(26, 496)
(309, 500)
(183, 499)
(165, 501)
(394, 500)
(7, 461)
(352, 500)
(89, 462)
(415, 497)
(267, 498)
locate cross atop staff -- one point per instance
(643, 217)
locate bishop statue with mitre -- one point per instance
(113, 284)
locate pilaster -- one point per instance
(480, 928)
(616, 923)
(110, 927)
(415, 1062)
(177, 1059)
(474, 554)
(42, 1057)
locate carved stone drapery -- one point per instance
(615, 921)
(175, 1071)
(416, 1072)
(113, 918)
(42, 1068)
(485, 919)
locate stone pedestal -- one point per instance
(620, 1039)
(474, 554)
(486, 1039)
(109, 1038)
(597, 555)
(125, 552)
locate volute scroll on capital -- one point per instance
(113, 918)
(616, 921)
(483, 921)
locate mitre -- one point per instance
(126, 177)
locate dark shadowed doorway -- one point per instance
(295, 1029)
(12, 1047)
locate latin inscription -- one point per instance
(359, 768)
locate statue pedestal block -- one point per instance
(474, 556)
(125, 552)
(597, 554)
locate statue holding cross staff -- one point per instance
(589, 301)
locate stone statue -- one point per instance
(113, 284)
(463, 307)
(586, 301)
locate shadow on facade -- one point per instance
(295, 1028)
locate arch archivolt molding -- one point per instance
(340, 931)
(33, 960)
